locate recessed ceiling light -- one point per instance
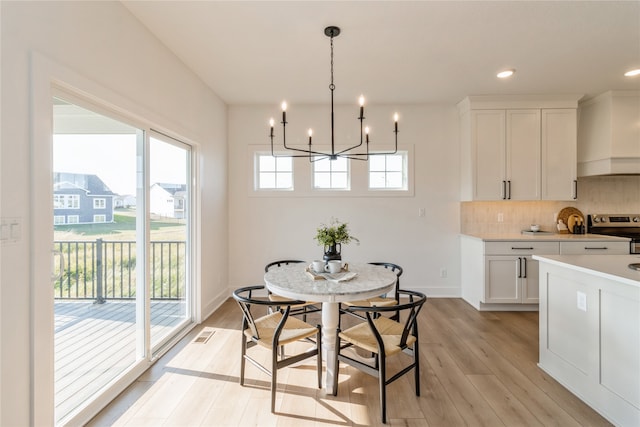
(632, 73)
(506, 73)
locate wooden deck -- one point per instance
(95, 343)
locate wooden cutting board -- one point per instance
(570, 216)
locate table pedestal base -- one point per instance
(330, 319)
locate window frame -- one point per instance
(74, 198)
(303, 176)
(404, 171)
(258, 171)
(331, 173)
(98, 201)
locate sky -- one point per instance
(113, 159)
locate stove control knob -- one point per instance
(596, 219)
(603, 219)
(636, 219)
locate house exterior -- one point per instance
(168, 200)
(81, 199)
(124, 201)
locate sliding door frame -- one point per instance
(47, 79)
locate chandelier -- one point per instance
(348, 153)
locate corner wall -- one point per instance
(105, 44)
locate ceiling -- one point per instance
(397, 52)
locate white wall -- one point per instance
(262, 229)
(104, 44)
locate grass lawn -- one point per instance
(123, 228)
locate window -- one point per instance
(331, 174)
(66, 201)
(58, 219)
(73, 219)
(273, 173)
(99, 203)
(99, 218)
(388, 172)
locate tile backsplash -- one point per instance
(604, 194)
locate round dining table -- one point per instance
(364, 281)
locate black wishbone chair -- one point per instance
(383, 337)
(272, 331)
(382, 300)
(303, 308)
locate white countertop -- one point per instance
(545, 237)
(613, 267)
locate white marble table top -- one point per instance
(292, 281)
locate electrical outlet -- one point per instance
(443, 273)
(582, 301)
(422, 212)
(500, 217)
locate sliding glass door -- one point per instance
(121, 215)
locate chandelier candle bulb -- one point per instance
(284, 112)
(395, 119)
(361, 100)
(271, 123)
(310, 135)
(366, 133)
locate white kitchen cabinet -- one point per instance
(501, 275)
(506, 153)
(518, 149)
(559, 154)
(510, 279)
(594, 248)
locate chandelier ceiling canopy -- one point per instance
(350, 152)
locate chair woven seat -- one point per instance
(372, 302)
(391, 332)
(278, 298)
(380, 300)
(294, 330)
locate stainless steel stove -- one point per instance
(621, 225)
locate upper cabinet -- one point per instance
(609, 134)
(521, 148)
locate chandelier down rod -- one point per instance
(313, 155)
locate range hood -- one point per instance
(609, 134)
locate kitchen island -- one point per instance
(590, 330)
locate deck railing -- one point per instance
(104, 270)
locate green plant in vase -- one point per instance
(332, 237)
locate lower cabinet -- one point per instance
(502, 275)
(511, 279)
(594, 248)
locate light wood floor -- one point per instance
(477, 369)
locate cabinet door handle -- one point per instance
(504, 190)
(519, 267)
(509, 190)
(575, 189)
(524, 270)
(513, 248)
(603, 248)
